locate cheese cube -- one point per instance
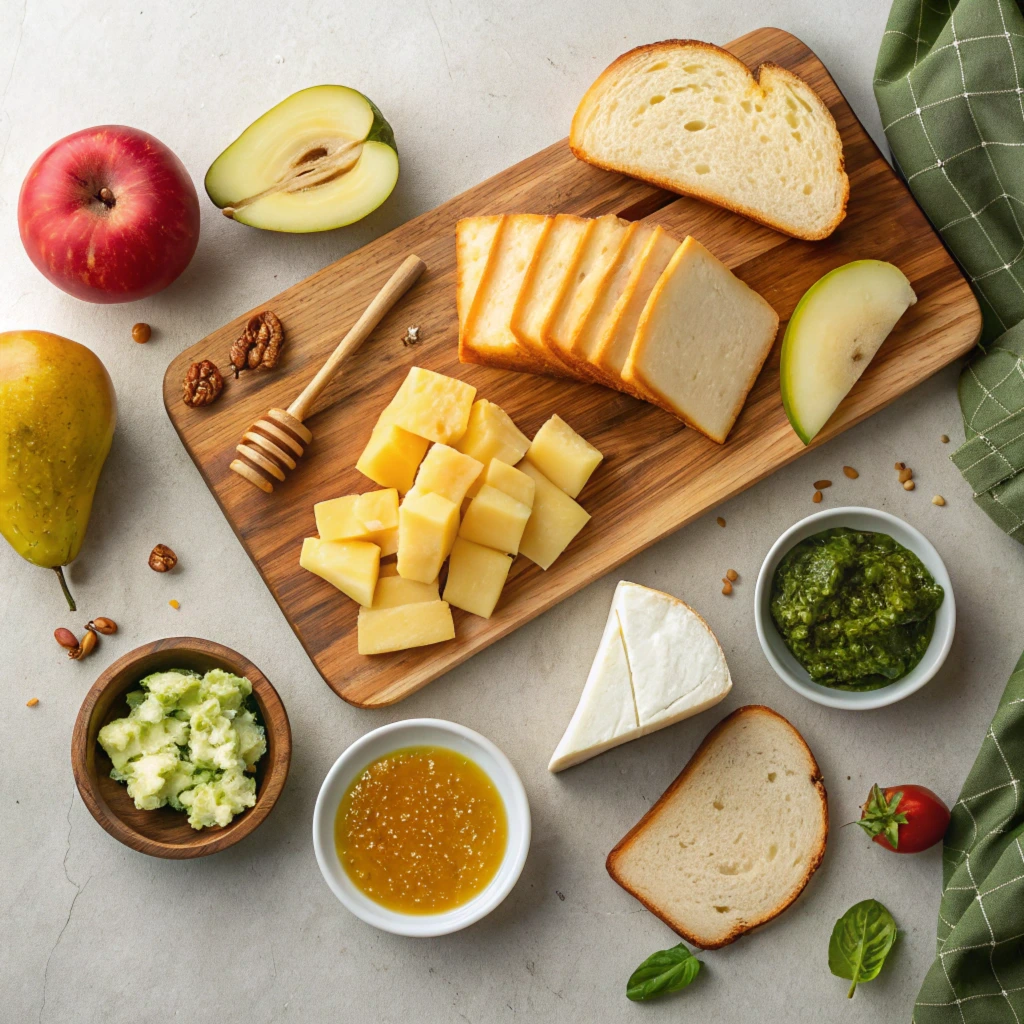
(392, 455)
(432, 405)
(514, 482)
(447, 472)
(555, 520)
(476, 575)
(495, 520)
(387, 569)
(381, 630)
(351, 565)
(372, 516)
(427, 524)
(564, 457)
(491, 434)
(392, 591)
(387, 541)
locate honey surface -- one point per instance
(421, 830)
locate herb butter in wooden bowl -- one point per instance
(163, 831)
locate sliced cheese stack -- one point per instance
(615, 303)
(475, 492)
(657, 664)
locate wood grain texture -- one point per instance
(656, 476)
(165, 832)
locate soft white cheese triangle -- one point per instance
(657, 664)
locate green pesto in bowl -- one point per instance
(855, 608)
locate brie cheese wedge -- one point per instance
(658, 663)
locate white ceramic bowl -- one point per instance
(792, 672)
(417, 732)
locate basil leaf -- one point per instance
(860, 942)
(668, 970)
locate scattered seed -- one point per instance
(727, 588)
(86, 647)
(906, 473)
(820, 485)
(174, 604)
(908, 485)
(938, 500)
(65, 638)
(141, 333)
(720, 521)
(817, 497)
(32, 703)
(102, 625)
(900, 466)
(944, 439)
(850, 472)
(732, 575)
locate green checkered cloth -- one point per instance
(950, 88)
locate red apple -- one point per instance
(109, 214)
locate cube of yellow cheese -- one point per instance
(514, 482)
(564, 457)
(495, 520)
(380, 630)
(476, 575)
(432, 405)
(369, 516)
(427, 524)
(392, 455)
(351, 565)
(391, 591)
(554, 521)
(491, 434)
(447, 472)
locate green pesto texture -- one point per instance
(855, 608)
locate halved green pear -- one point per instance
(323, 158)
(834, 332)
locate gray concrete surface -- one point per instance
(92, 932)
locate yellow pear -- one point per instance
(57, 417)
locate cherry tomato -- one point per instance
(905, 819)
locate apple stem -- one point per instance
(106, 197)
(59, 570)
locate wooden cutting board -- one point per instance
(656, 475)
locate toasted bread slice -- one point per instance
(473, 239)
(582, 286)
(545, 278)
(616, 334)
(735, 838)
(486, 335)
(690, 117)
(701, 342)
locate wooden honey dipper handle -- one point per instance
(398, 284)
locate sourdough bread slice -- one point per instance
(691, 117)
(736, 837)
(486, 336)
(473, 239)
(701, 342)
(545, 280)
(582, 285)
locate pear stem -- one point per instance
(59, 570)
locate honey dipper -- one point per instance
(271, 446)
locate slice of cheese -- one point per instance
(447, 472)
(587, 340)
(476, 575)
(657, 664)
(546, 279)
(431, 405)
(514, 482)
(491, 434)
(370, 516)
(427, 525)
(583, 284)
(380, 630)
(392, 591)
(350, 565)
(701, 342)
(487, 336)
(473, 239)
(554, 521)
(392, 455)
(609, 352)
(564, 457)
(496, 520)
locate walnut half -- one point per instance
(260, 344)
(202, 384)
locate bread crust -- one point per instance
(611, 863)
(709, 197)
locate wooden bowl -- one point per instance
(166, 832)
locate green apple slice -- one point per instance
(834, 332)
(322, 158)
